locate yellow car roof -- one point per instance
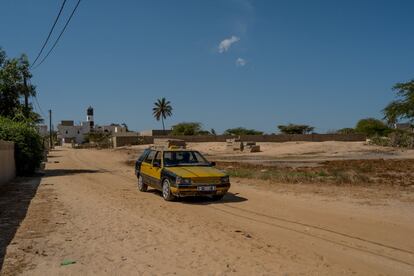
(172, 148)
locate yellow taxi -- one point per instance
(180, 172)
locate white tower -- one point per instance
(89, 117)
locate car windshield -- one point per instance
(184, 158)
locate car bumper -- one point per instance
(221, 189)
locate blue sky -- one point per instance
(323, 63)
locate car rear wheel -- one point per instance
(141, 185)
(166, 190)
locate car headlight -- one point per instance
(181, 180)
(225, 179)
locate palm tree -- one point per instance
(162, 109)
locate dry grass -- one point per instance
(354, 172)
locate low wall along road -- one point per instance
(7, 163)
(120, 141)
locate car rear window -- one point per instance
(150, 156)
(144, 155)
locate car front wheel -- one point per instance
(166, 190)
(141, 185)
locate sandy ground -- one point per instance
(87, 209)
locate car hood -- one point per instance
(194, 171)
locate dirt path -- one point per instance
(87, 209)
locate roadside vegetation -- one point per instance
(29, 150)
(17, 120)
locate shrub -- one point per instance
(295, 129)
(28, 144)
(402, 139)
(190, 128)
(242, 131)
(99, 139)
(346, 130)
(380, 141)
(372, 127)
(397, 138)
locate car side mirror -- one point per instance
(213, 164)
(156, 164)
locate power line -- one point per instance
(37, 102)
(40, 108)
(61, 33)
(50, 32)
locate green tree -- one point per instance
(242, 131)
(187, 128)
(372, 127)
(403, 106)
(204, 132)
(14, 84)
(347, 130)
(295, 129)
(161, 110)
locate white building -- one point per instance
(68, 132)
(404, 126)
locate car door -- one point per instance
(156, 170)
(140, 160)
(146, 168)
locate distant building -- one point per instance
(89, 118)
(68, 132)
(112, 128)
(404, 126)
(42, 130)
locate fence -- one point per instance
(7, 162)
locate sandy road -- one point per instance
(87, 209)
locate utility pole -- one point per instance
(26, 97)
(50, 129)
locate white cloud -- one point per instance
(225, 45)
(241, 62)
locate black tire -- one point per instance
(217, 197)
(166, 190)
(142, 187)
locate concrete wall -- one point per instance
(155, 132)
(7, 162)
(120, 141)
(274, 138)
